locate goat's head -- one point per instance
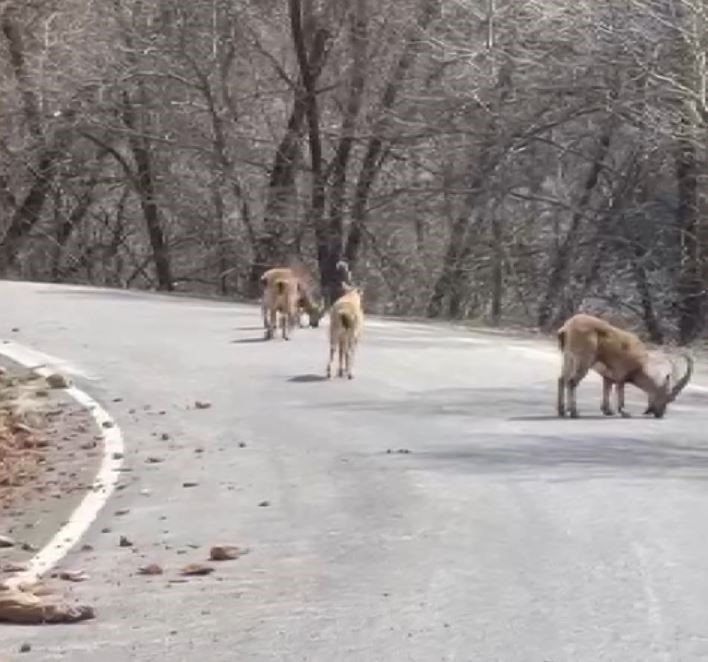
(665, 393)
(315, 313)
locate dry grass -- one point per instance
(23, 404)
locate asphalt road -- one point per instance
(504, 534)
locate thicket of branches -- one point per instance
(499, 159)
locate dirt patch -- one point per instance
(50, 449)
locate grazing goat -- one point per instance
(619, 357)
(280, 299)
(346, 320)
(306, 302)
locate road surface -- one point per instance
(504, 534)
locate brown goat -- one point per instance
(346, 320)
(620, 357)
(306, 302)
(280, 299)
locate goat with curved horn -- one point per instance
(620, 357)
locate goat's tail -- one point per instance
(561, 339)
(346, 321)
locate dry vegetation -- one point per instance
(21, 443)
(518, 161)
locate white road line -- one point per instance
(103, 484)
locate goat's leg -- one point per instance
(605, 408)
(272, 322)
(561, 396)
(350, 359)
(342, 356)
(285, 323)
(330, 363)
(572, 384)
(620, 401)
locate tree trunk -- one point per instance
(373, 158)
(560, 269)
(145, 188)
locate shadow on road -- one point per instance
(575, 458)
(246, 341)
(307, 379)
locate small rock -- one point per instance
(122, 511)
(87, 548)
(196, 569)
(6, 541)
(150, 569)
(73, 575)
(226, 552)
(117, 456)
(124, 542)
(89, 445)
(26, 547)
(164, 436)
(57, 380)
(154, 459)
(264, 504)
(117, 399)
(25, 648)
(242, 444)
(190, 483)
(106, 529)
(198, 404)
(21, 428)
(198, 450)
(107, 424)
(15, 329)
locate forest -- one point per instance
(502, 161)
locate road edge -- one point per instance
(104, 482)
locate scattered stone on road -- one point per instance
(190, 483)
(73, 575)
(226, 552)
(57, 380)
(264, 504)
(196, 569)
(153, 459)
(150, 569)
(198, 404)
(124, 542)
(30, 606)
(6, 541)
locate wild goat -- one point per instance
(305, 303)
(280, 299)
(619, 357)
(346, 320)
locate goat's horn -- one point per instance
(681, 383)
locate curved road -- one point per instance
(504, 534)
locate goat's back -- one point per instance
(597, 341)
